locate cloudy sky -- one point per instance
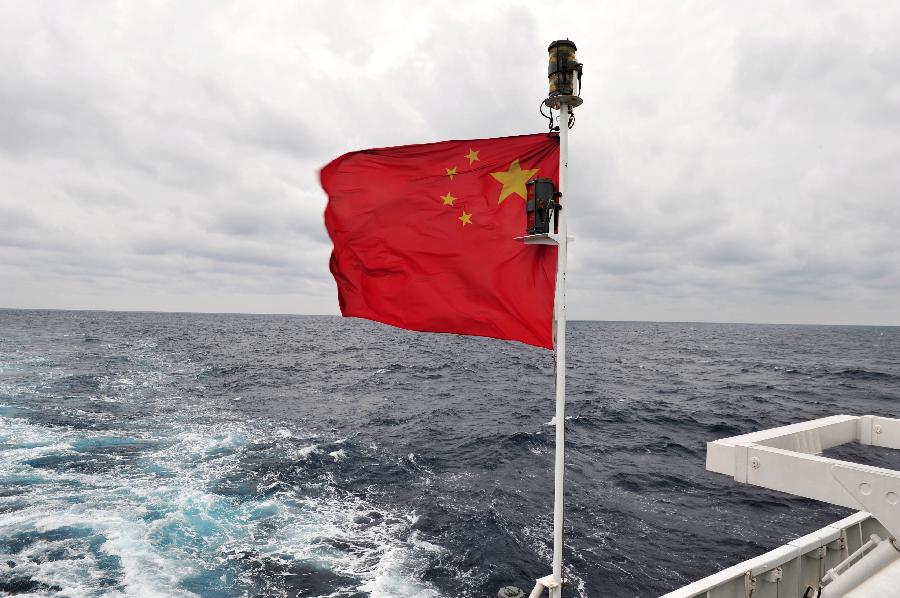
(732, 161)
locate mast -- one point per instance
(565, 88)
(559, 467)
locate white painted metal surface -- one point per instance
(541, 239)
(853, 558)
(559, 466)
(789, 570)
(548, 582)
(885, 582)
(788, 459)
(554, 582)
(872, 569)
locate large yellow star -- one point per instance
(513, 180)
(451, 172)
(466, 218)
(448, 199)
(472, 156)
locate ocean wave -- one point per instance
(159, 524)
(862, 374)
(229, 456)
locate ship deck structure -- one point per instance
(856, 557)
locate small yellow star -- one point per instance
(513, 180)
(472, 156)
(448, 199)
(466, 218)
(451, 172)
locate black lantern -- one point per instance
(564, 71)
(539, 203)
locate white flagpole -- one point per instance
(563, 97)
(560, 461)
(553, 582)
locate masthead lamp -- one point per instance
(564, 74)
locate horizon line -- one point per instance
(237, 313)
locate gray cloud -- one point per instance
(729, 163)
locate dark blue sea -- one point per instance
(180, 455)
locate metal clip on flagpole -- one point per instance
(565, 89)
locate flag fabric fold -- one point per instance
(424, 237)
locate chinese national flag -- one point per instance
(424, 237)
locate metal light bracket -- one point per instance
(543, 239)
(555, 101)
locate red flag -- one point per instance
(424, 237)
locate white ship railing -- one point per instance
(789, 459)
(858, 548)
(788, 570)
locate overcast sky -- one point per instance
(732, 161)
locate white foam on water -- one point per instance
(394, 573)
(306, 451)
(165, 525)
(142, 523)
(19, 433)
(145, 571)
(111, 509)
(382, 551)
(82, 571)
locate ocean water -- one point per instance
(218, 456)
